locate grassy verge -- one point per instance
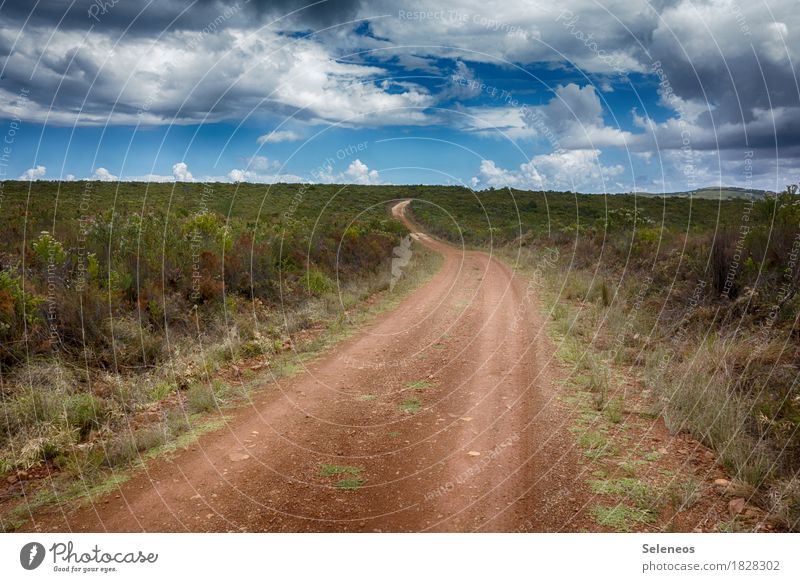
(619, 375)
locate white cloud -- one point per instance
(496, 122)
(278, 136)
(149, 178)
(240, 175)
(263, 163)
(575, 169)
(358, 173)
(181, 173)
(224, 76)
(237, 175)
(573, 118)
(562, 170)
(36, 173)
(104, 175)
(496, 177)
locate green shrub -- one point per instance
(163, 389)
(18, 309)
(84, 412)
(318, 283)
(46, 441)
(127, 446)
(202, 397)
(48, 249)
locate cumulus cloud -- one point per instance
(237, 175)
(278, 136)
(261, 169)
(724, 61)
(562, 170)
(262, 163)
(181, 173)
(358, 173)
(493, 176)
(242, 175)
(36, 173)
(572, 118)
(189, 77)
(104, 175)
(496, 122)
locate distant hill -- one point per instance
(724, 193)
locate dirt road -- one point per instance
(487, 450)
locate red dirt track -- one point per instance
(489, 449)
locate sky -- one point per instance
(602, 96)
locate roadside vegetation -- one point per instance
(133, 315)
(694, 299)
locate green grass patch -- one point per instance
(595, 444)
(622, 518)
(162, 390)
(419, 385)
(634, 489)
(331, 470)
(411, 405)
(685, 494)
(614, 410)
(349, 484)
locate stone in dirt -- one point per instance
(736, 506)
(721, 482)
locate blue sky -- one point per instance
(597, 97)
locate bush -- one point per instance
(66, 412)
(126, 447)
(318, 283)
(48, 250)
(202, 398)
(19, 309)
(84, 412)
(27, 449)
(28, 410)
(133, 344)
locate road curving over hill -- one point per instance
(440, 415)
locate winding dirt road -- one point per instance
(488, 450)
